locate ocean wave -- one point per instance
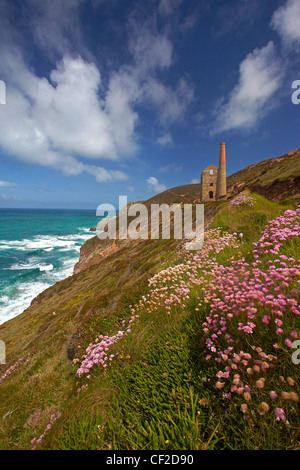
(47, 242)
(45, 260)
(29, 266)
(48, 267)
(85, 229)
(15, 299)
(11, 306)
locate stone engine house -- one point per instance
(213, 179)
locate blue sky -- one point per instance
(125, 97)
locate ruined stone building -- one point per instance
(213, 179)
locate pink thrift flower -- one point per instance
(279, 414)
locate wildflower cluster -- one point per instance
(97, 353)
(249, 303)
(16, 365)
(53, 418)
(285, 227)
(242, 198)
(169, 288)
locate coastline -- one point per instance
(37, 252)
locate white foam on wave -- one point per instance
(68, 261)
(32, 264)
(48, 242)
(87, 230)
(12, 245)
(25, 292)
(49, 267)
(11, 307)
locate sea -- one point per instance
(38, 248)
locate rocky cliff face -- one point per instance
(275, 179)
(110, 278)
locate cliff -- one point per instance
(156, 389)
(276, 179)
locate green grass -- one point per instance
(159, 393)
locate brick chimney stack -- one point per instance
(221, 185)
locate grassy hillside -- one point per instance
(275, 179)
(153, 347)
(269, 171)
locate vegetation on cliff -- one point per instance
(154, 347)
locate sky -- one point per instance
(108, 98)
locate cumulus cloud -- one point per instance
(286, 21)
(6, 184)
(154, 185)
(102, 175)
(71, 114)
(150, 51)
(167, 7)
(165, 139)
(43, 189)
(54, 122)
(153, 55)
(253, 97)
(55, 27)
(171, 103)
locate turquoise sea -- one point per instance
(37, 249)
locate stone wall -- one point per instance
(209, 179)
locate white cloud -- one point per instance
(121, 97)
(73, 115)
(165, 139)
(167, 7)
(171, 104)
(195, 181)
(103, 175)
(253, 97)
(43, 189)
(286, 21)
(153, 54)
(56, 26)
(154, 185)
(6, 184)
(151, 51)
(55, 122)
